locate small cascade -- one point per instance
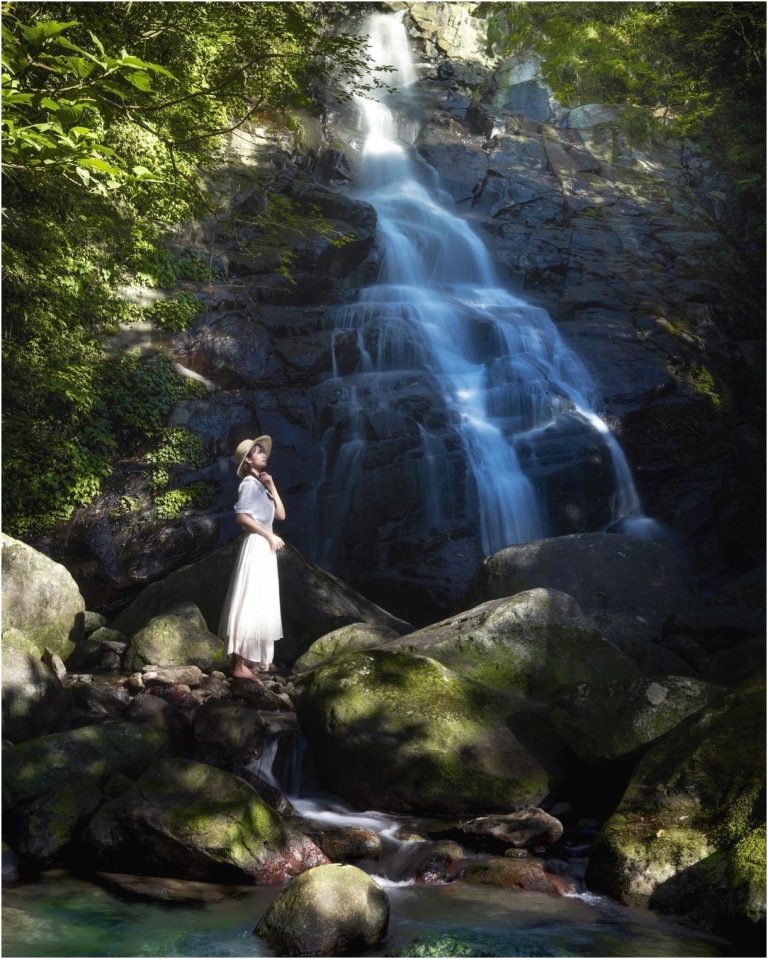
(438, 311)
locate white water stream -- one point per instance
(438, 306)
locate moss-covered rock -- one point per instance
(33, 769)
(391, 730)
(528, 873)
(41, 599)
(47, 829)
(228, 732)
(688, 836)
(608, 720)
(534, 643)
(333, 910)
(33, 697)
(193, 821)
(176, 638)
(343, 640)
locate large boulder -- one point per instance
(176, 638)
(602, 571)
(606, 720)
(41, 599)
(343, 640)
(52, 786)
(193, 821)
(229, 732)
(333, 910)
(33, 697)
(689, 833)
(313, 601)
(525, 829)
(534, 643)
(390, 730)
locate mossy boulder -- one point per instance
(533, 643)
(34, 700)
(602, 571)
(333, 910)
(33, 769)
(688, 836)
(601, 721)
(193, 821)
(48, 830)
(228, 732)
(179, 637)
(391, 730)
(343, 640)
(41, 599)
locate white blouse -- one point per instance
(253, 499)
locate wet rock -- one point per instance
(346, 639)
(228, 732)
(164, 889)
(40, 599)
(33, 697)
(11, 872)
(602, 571)
(427, 862)
(689, 833)
(216, 687)
(154, 711)
(345, 843)
(606, 720)
(95, 702)
(534, 642)
(92, 621)
(272, 796)
(258, 695)
(49, 828)
(513, 873)
(391, 730)
(527, 828)
(332, 910)
(192, 821)
(175, 638)
(171, 675)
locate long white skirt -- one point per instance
(250, 620)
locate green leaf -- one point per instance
(141, 81)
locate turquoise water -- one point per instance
(64, 916)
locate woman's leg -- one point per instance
(240, 669)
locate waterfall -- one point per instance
(438, 308)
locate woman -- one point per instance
(251, 621)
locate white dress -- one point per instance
(250, 619)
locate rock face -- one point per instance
(41, 599)
(313, 602)
(33, 697)
(603, 571)
(332, 910)
(193, 821)
(606, 720)
(228, 732)
(534, 642)
(176, 638)
(519, 830)
(689, 834)
(394, 731)
(344, 640)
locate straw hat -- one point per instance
(245, 447)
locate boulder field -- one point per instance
(494, 718)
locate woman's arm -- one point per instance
(248, 522)
(269, 485)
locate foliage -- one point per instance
(469, 942)
(176, 446)
(126, 506)
(110, 110)
(695, 69)
(169, 505)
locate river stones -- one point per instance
(40, 598)
(176, 638)
(526, 828)
(33, 697)
(390, 730)
(602, 721)
(333, 910)
(527, 873)
(602, 571)
(346, 639)
(534, 643)
(689, 834)
(192, 821)
(346, 843)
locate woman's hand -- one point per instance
(275, 542)
(266, 480)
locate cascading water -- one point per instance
(502, 368)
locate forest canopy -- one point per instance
(112, 113)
